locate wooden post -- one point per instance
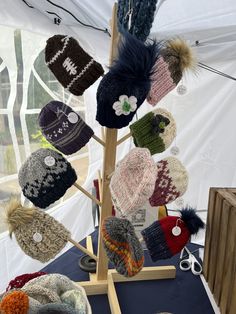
(108, 166)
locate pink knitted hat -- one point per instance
(171, 181)
(133, 181)
(162, 82)
(174, 59)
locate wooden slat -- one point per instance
(232, 307)
(108, 165)
(229, 265)
(208, 238)
(89, 245)
(94, 287)
(221, 250)
(112, 296)
(213, 249)
(147, 273)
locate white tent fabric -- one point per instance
(204, 115)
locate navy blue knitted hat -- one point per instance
(45, 176)
(124, 88)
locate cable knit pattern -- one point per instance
(122, 246)
(141, 19)
(72, 66)
(144, 134)
(50, 289)
(53, 234)
(133, 181)
(171, 181)
(43, 181)
(162, 82)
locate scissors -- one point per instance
(190, 262)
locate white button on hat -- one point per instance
(49, 161)
(37, 237)
(73, 117)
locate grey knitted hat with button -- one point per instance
(45, 176)
(64, 128)
(38, 234)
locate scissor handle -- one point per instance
(196, 267)
(185, 264)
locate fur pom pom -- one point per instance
(17, 215)
(184, 52)
(135, 60)
(191, 219)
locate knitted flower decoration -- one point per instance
(15, 302)
(125, 105)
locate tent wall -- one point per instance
(204, 115)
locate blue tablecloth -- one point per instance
(183, 295)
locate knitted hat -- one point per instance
(166, 237)
(38, 234)
(155, 131)
(133, 181)
(124, 88)
(174, 59)
(57, 308)
(21, 280)
(171, 181)
(122, 246)
(64, 128)
(72, 66)
(45, 176)
(15, 302)
(56, 288)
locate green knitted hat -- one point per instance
(155, 131)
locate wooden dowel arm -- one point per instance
(98, 140)
(83, 249)
(79, 187)
(124, 138)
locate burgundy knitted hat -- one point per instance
(171, 181)
(73, 67)
(175, 57)
(133, 181)
(64, 128)
(169, 235)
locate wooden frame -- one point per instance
(103, 282)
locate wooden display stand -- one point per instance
(103, 281)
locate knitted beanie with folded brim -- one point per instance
(176, 56)
(122, 246)
(133, 181)
(171, 181)
(74, 68)
(45, 176)
(155, 131)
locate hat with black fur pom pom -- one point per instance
(124, 88)
(169, 235)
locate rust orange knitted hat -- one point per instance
(15, 302)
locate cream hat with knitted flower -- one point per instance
(133, 181)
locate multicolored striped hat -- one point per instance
(122, 246)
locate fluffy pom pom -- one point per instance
(135, 60)
(184, 52)
(191, 219)
(17, 215)
(15, 302)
